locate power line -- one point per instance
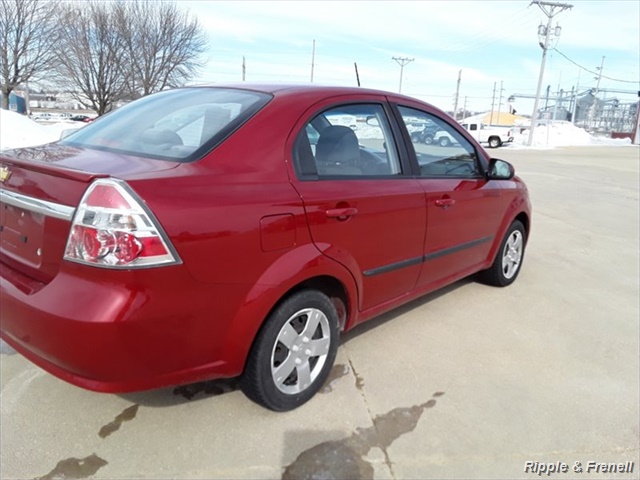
(596, 73)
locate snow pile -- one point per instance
(563, 134)
(18, 131)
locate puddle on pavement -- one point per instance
(337, 372)
(75, 468)
(127, 414)
(210, 388)
(345, 458)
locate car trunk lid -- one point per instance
(40, 190)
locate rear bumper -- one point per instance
(122, 331)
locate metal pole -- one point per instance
(244, 69)
(595, 96)
(500, 102)
(455, 104)
(493, 102)
(550, 14)
(27, 98)
(540, 78)
(402, 61)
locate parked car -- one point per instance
(196, 234)
(43, 117)
(426, 135)
(443, 138)
(81, 118)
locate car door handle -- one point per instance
(341, 213)
(445, 202)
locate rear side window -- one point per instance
(177, 125)
(347, 140)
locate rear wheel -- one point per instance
(506, 266)
(444, 142)
(494, 142)
(293, 353)
(428, 139)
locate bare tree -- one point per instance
(90, 55)
(27, 36)
(164, 44)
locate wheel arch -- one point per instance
(321, 273)
(524, 219)
(509, 218)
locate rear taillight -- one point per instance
(112, 228)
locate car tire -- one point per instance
(444, 142)
(283, 370)
(428, 139)
(494, 142)
(506, 266)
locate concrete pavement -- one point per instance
(469, 382)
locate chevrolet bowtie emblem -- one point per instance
(5, 173)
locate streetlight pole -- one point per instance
(546, 31)
(402, 61)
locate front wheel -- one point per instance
(444, 142)
(506, 266)
(293, 352)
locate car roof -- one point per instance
(275, 88)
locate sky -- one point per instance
(491, 42)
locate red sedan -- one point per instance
(212, 232)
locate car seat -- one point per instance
(337, 151)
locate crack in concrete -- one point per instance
(344, 459)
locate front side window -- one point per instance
(440, 149)
(349, 140)
(176, 125)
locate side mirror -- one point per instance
(372, 121)
(500, 170)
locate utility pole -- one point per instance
(493, 103)
(572, 105)
(313, 59)
(244, 69)
(355, 65)
(455, 104)
(500, 102)
(550, 9)
(592, 113)
(402, 61)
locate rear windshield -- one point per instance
(177, 125)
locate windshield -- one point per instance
(177, 125)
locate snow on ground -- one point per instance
(18, 131)
(563, 134)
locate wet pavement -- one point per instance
(468, 382)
